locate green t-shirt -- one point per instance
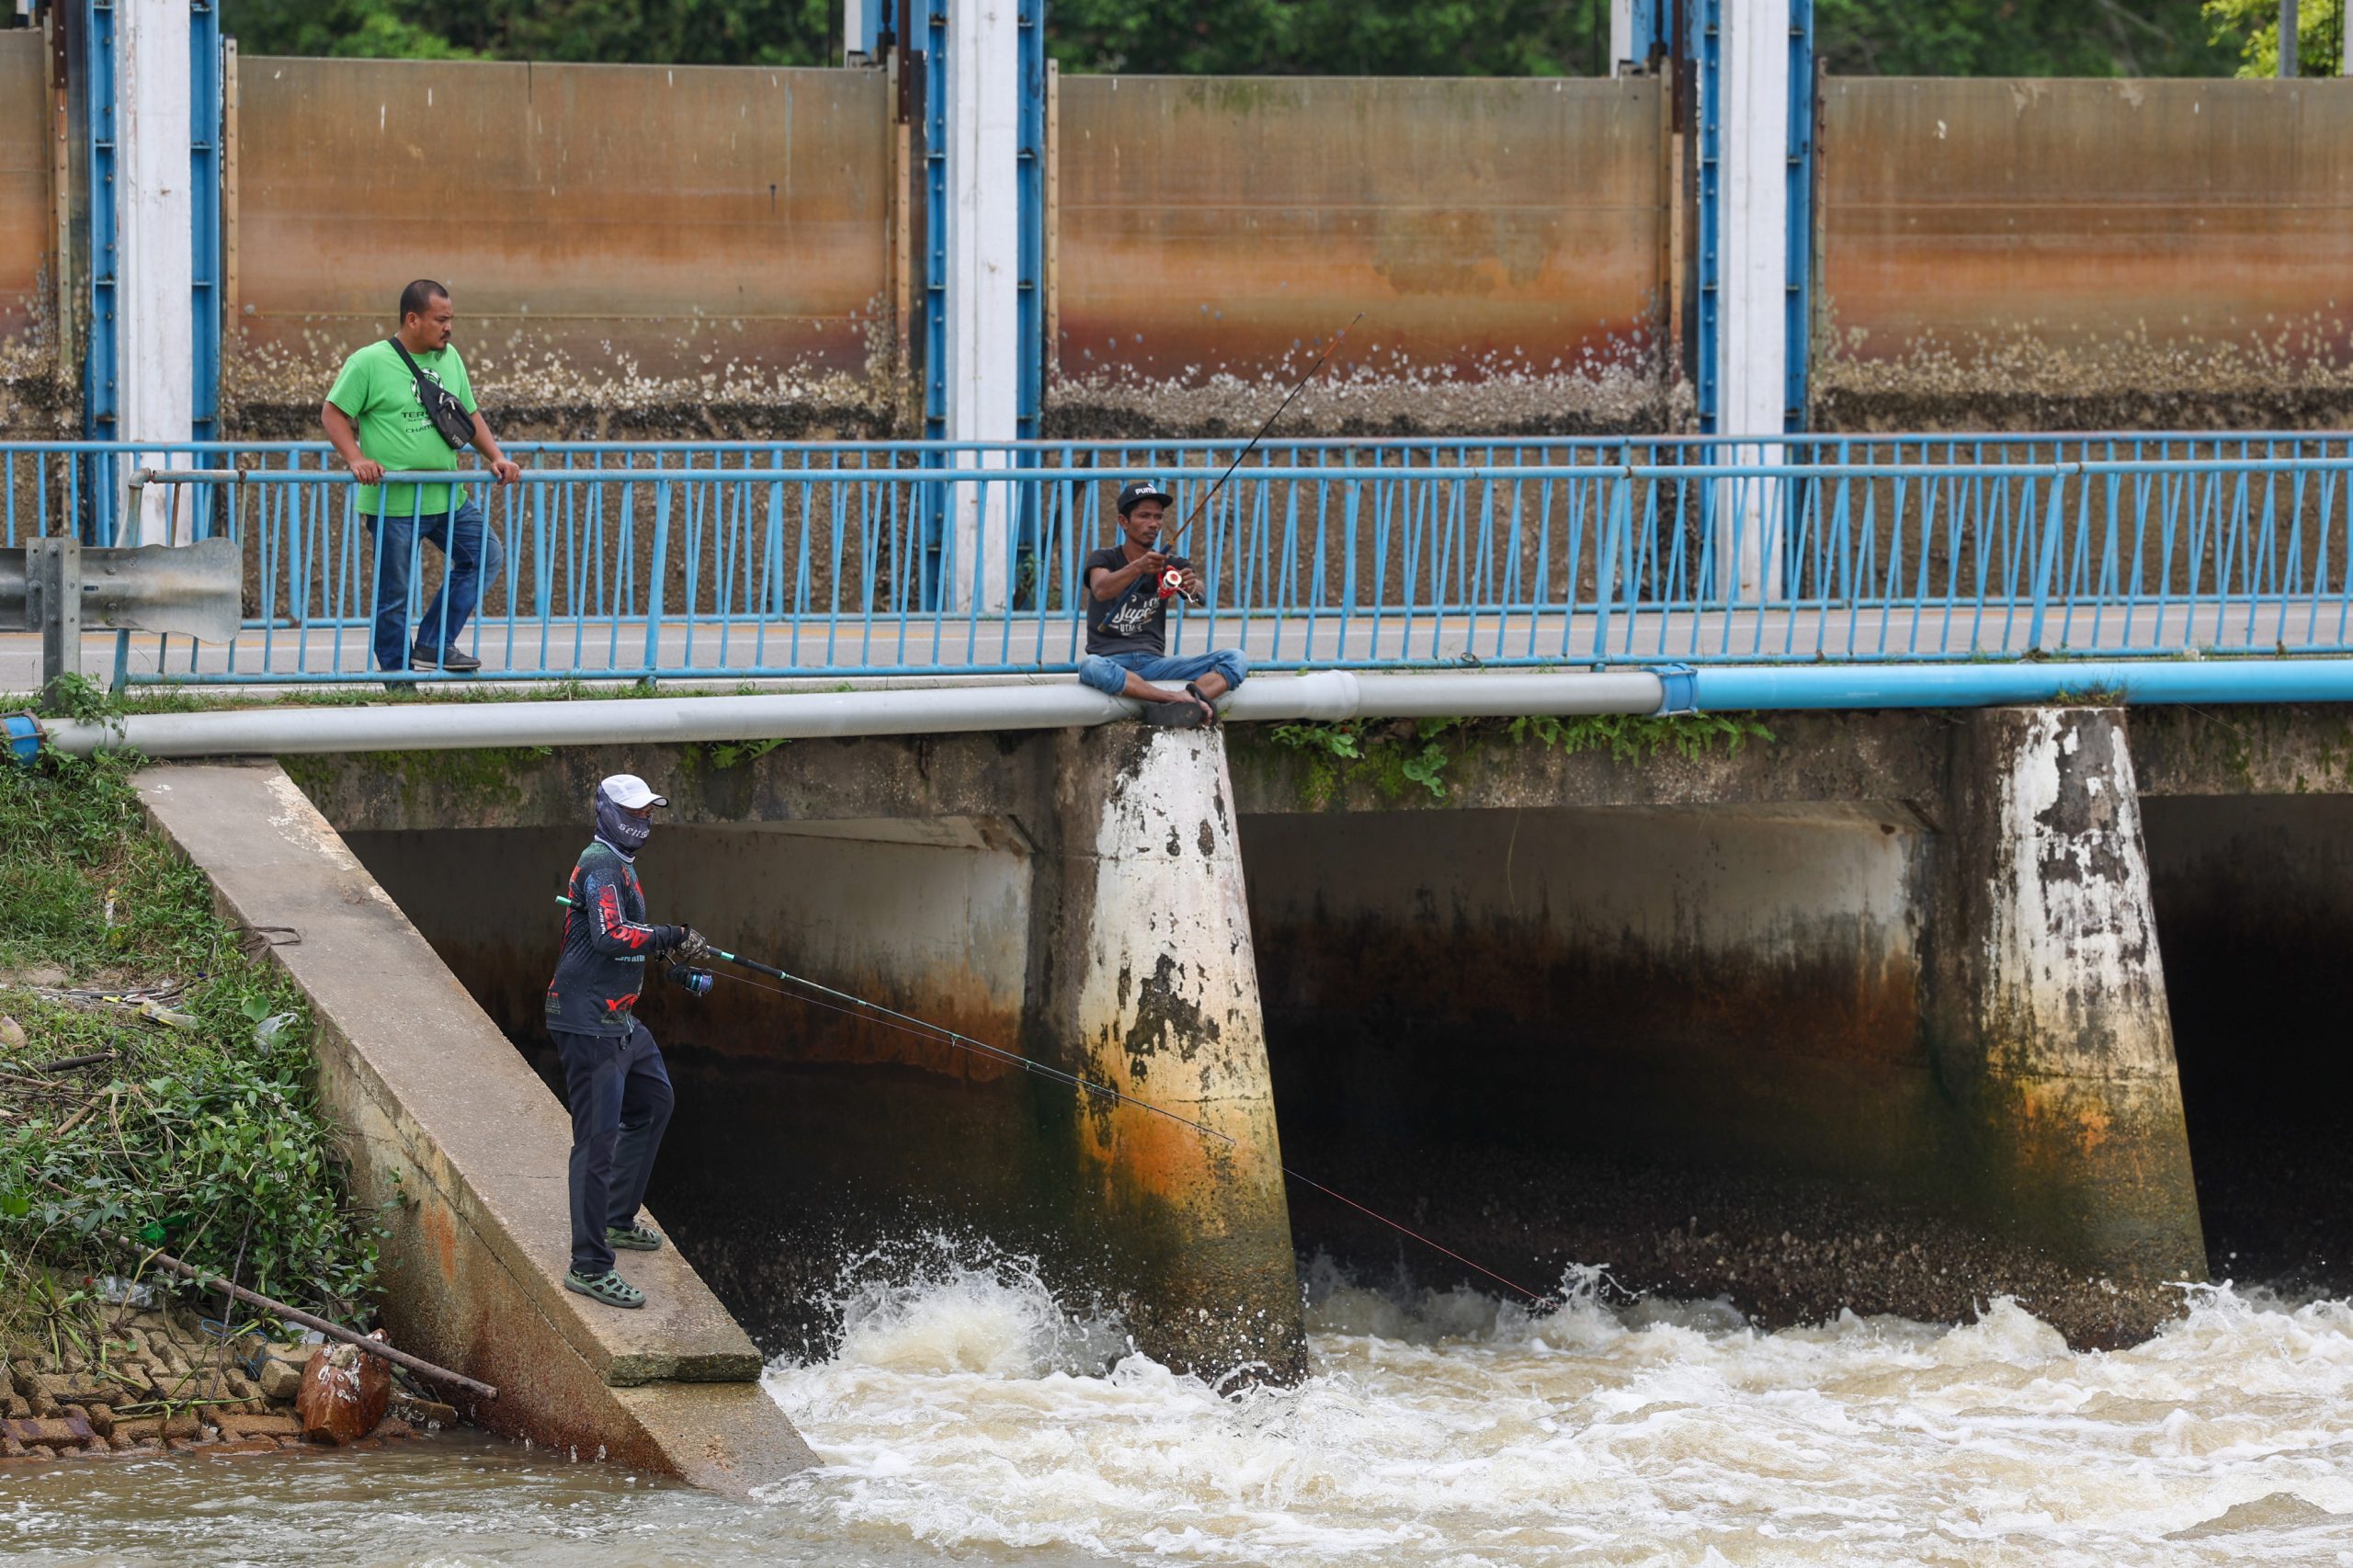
(379, 395)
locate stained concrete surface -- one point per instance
(1680, 1024)
(447, 1128)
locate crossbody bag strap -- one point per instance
(428, 391)
(423, 388)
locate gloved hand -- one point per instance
(690, 947)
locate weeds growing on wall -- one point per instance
(201, 1127)
(1409, 759)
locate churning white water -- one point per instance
(970, 1417)
(1451, 1429)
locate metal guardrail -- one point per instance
(674, 561)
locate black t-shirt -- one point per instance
(1135, 622)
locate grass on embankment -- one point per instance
(209, 1128)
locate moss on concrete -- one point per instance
(472, 778)
(1406, 760)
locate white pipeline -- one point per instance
(1061, 704)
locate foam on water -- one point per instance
(1449, 1429)
(967, 1414)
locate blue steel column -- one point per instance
(204, 100)
(1705, 31)
(1650, 29)
(933, 300)
(1801, 213)
(1029, 337)
(1032, 184)
(100, 396)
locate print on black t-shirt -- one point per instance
(1135, 622)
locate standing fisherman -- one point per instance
(614, 1080)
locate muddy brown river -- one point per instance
(967, 1417)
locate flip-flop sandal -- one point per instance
(608, 1287)
(636, 1238)
(1172, 715)
(1209, 709)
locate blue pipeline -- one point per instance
(1739, 688)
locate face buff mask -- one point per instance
(618, 828)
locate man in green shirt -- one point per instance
(375, 415)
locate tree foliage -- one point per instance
(1403, 38)
(2250, 31)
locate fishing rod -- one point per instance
(1312, 371)
(698, 981)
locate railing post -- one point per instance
(660, 574)
(2047, 558)
(53, 598)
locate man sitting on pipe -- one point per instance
(1128, 589)
(613, 1077)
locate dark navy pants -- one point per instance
(620, 1100)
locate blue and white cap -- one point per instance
(1137, 490)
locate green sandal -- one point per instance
(637, 1238)
(610, 1288)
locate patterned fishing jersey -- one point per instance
(606, 944)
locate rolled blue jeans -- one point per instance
(475, 559)
(1107, 673)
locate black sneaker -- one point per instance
(455, 661)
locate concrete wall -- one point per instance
(1866, 1015)
(35, 399)
(1738, 984)
(461, 1154)
(2084, 255)
(618, 240)
(1794, 1025)
(1508, 241)
(1013, 888)
(803, 1134)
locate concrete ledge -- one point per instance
(451, 1129)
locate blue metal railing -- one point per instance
(737, 560)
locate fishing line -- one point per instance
(1312, 371)
(924, 1028)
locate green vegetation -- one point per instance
(1401, 757)
(1418, 38)
(202, 1129)
(2250, 29)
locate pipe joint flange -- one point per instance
(1678, 688)
(23, 733)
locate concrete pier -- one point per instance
(463, 1151)
(1021, 889)
(1148, 983)
(1866, 1015)
(2048, 1022)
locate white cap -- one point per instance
(629, 791)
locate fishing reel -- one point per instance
(696, 981)
(1172, 583)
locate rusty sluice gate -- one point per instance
(707, 252)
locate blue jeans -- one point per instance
(620, 1099)
(475, 561)
(1107, 673)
